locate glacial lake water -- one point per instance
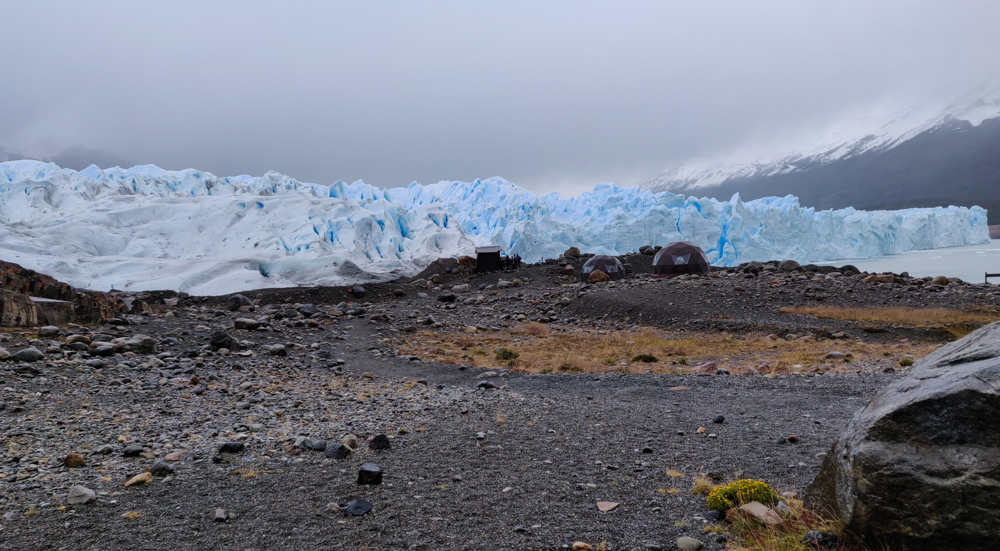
(969, 263)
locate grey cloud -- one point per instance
(558, 95)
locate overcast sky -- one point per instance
(550, 95)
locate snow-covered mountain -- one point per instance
(149, 228)
(922, 156)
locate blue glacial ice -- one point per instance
(149, 228)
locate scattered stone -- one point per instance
(788, 266)
(580, 546)
(793, 438)
(80, 495)
(48, 331)
(141, 344)
(607, 506)
(447, 297)
(357, 291)
(710, 367)
(338, 451)
(74, 460)
(236, 301)
(161, 469)
(221, 339)
(486, 385)
(685, 543)
(174, 456)
(231, 447)
(370, 473)
(141, 478)
(220, 515)
(357, 507)
(761, 512)
(379, 442)
(719, 419)
(30, 354)
(132, 450)
(246, 323)
(834, 355)
(350, 441)
(781, 440)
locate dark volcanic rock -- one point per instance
(30, 354)
(357, 507)
(231, 447)
(919, 466)
(236, 301)
(370, 473)
(337, 451)
(379, 442)
(221, 339)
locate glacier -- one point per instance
(148, 228)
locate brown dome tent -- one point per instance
(678, 258)
(607, 264)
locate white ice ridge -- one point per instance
(148, 228)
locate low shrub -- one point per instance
(906, 362)
(645, 358)
(505, 354)
(734, 494)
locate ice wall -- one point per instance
(615, 220)
(148, 228)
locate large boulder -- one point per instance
(919, 466)
(572, 251)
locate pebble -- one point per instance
(685, 543)
(793, 438)
(350, 441)
(132, 450)
(80, 495)
(30, 354)
(161, 469)
(73, 460)
(339, 451)
(141, 478)
(719, 419)
(357, 507)
(220, 515)
(231, 447)
(379, 442)
(370, 474)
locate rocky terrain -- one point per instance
(232, 417)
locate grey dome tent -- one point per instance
(607, 264)
(680, 257)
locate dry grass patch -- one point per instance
(591, 351)
(899, 314)
(789, 535)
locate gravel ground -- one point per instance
(520, 466)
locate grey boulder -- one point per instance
(80, 495)
(30, 354)
(142, 344)
(919, 466)
(236, 301)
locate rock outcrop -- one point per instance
(30, 298)
(16, 310)
(919, 466)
